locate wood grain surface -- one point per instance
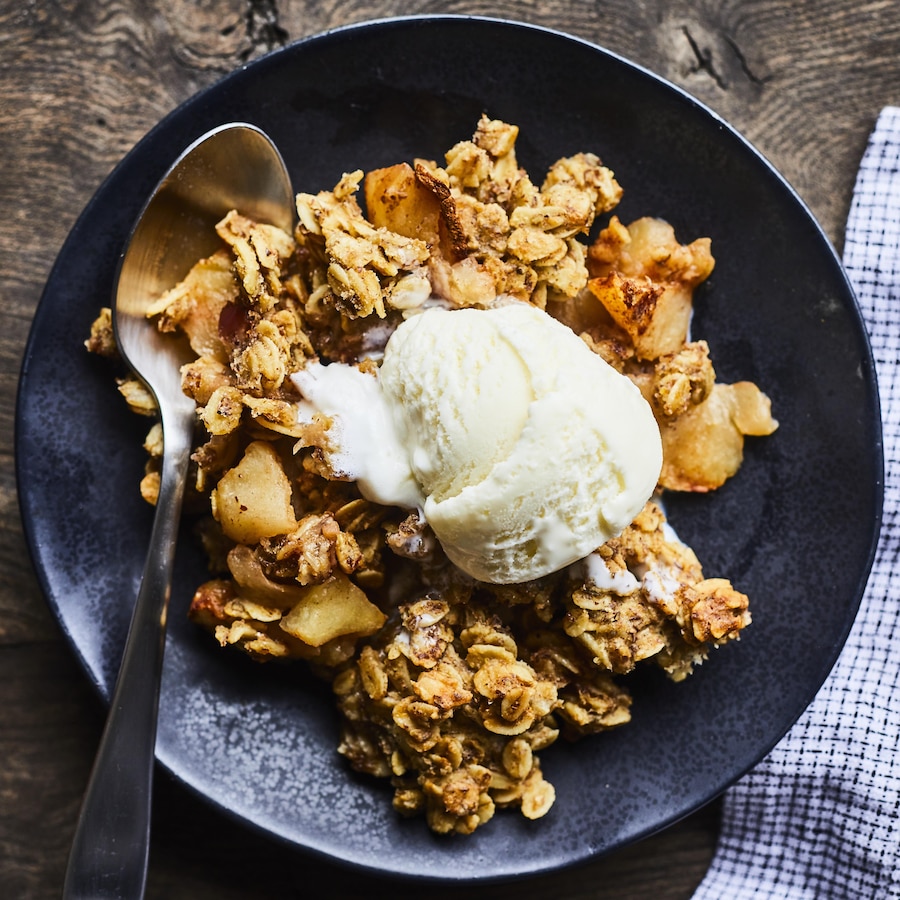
(80, 82)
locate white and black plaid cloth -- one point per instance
(820, 816)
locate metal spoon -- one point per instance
(235, 166)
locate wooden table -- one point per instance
(80, 83)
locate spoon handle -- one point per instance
(109, 854)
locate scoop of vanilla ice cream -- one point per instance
(530, 450)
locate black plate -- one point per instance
(795, 529)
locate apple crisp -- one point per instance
(448, 687)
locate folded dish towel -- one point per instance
(820, 816)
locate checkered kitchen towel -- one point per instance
(820, 816)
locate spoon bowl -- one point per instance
(235, 166)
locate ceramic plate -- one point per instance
(795, 529)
